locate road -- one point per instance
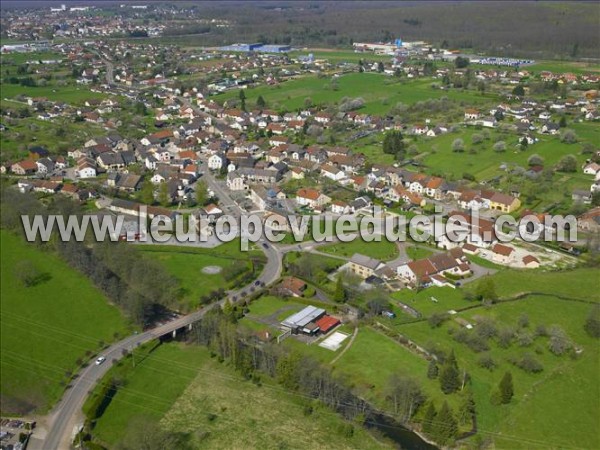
(67, 414)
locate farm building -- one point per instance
(311, 320)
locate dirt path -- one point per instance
(334, 360)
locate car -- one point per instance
(265, 245)
(100, 360)
(257, 282)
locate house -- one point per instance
(293, 286)
(550, 128)
(503, 202)
(591, 169)
(86, 167)
(364, 266)
(236, 182)
(582, 196)
(471, 114)
(25, 167)
(217, 161)
(590, 221)
(433, 269)
(531, 262)
(323, 118)
(502, 253)
(332, 172)
(340, 207)
(45, 165)
(311, 198)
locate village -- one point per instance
(151, 112)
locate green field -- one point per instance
(186, 263)
(75, 95)
(379, 92)
(383, 250)
(186, 391)
(47, 327)
(536, 418)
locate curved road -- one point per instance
(67, 414)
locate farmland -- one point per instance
(44, 331)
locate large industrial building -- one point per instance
(256, 47)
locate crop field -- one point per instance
(45, 332)
(379, 92)
(215, 407)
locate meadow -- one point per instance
(71, 94)
(186, 264)
(383, 250)
(534, 419)
(47, 327)
(379, 92)
(183, 390)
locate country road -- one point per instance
(67, 415)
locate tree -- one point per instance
(506, 388)
(449, 376)
(163, 195)
(568, 137)
(592, 323)
(568, 163)
(535, 160)
(466, 410)
(242, 100)
(432, 369)
(340, 292)
(559, 341)
(27, 274)
(445, 428)
(519, 90)
(260, 102)
(500, 146)
(393, 144)
(146, 194)
(429, 419)
(477, 138)
(461, 62)
(486, 290)
(140, 109)
(458, 145)
(562, 122)
(405, 396)
(201, 193)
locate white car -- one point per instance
(100, 360)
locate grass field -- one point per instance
(46, 327)
(187, 263)
(538, 417)
(185, 390)
(383, 250)
(415, 252)
(71, 94)
(379, 92)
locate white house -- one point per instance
(217, 161)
